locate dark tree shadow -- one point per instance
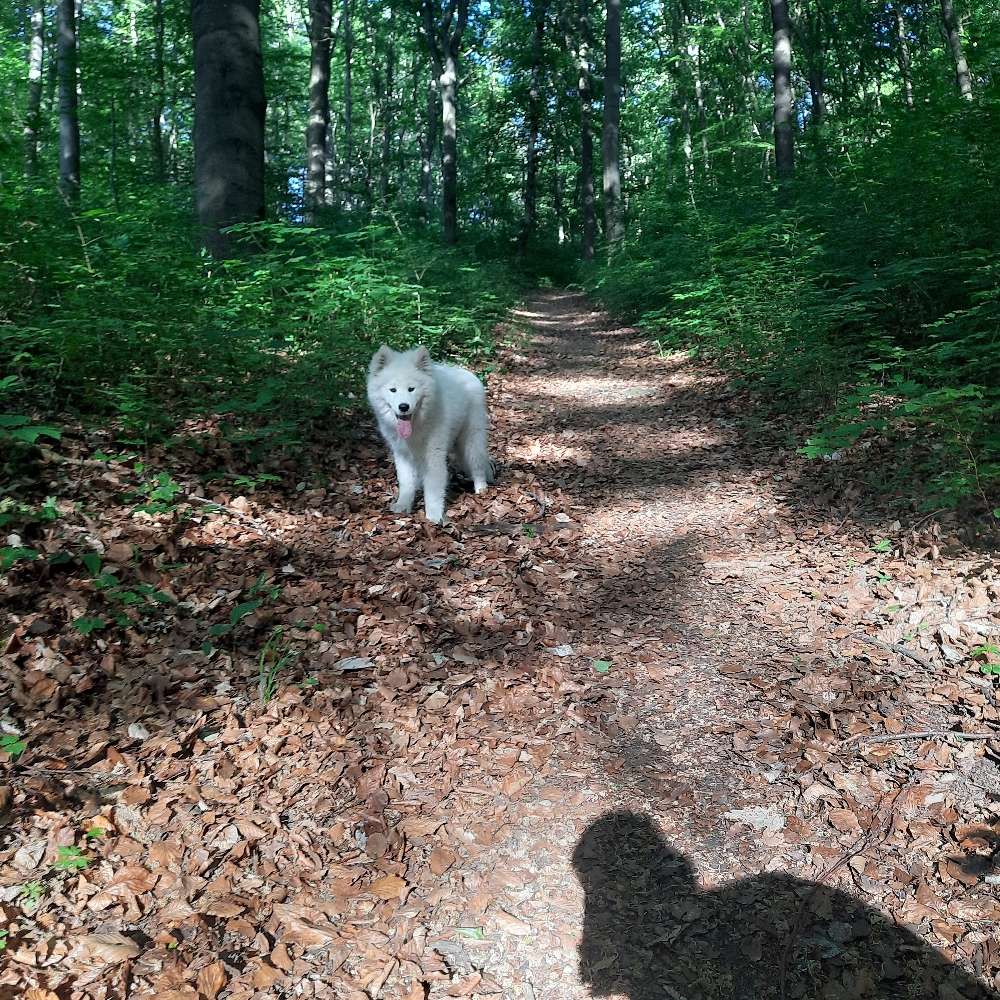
(650, 932)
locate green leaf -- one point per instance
(92, 561)
(70, 858)
(12, 554)
(601, 666)
(223, 628)
(476, 933)
(31, 434)
(246, 608)
(87, 625)
(13, 745)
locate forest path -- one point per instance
(703, 625)
(600, 737)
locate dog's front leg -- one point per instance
(435, 485)
(407, 478)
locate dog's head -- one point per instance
(399, 385)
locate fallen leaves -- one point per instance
(643, 612)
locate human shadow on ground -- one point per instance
(650, 932)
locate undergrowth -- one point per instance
(870, 299)
(116, 318)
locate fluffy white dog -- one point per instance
(427, 413)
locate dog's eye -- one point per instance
(410, 389)
(392, 390)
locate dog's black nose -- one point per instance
(403, 407)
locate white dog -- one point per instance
(427, 413)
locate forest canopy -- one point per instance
(215, 207)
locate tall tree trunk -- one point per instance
(903, 55)
(428, 141)
(694, 54)
(319, 106)
(588, 202)
(387, 113)
(229, 119)
(448, 84)
(330, 182)
(784, 136)
(113, 162)
(347, 183)
(954, 33)
(817, 94)
(444, 43)
(534, 127)
(160, 97)
(69, 122)
(32, 118)
(614, 221)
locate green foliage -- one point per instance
(12, 745)
(871, 300)
(138, 329)
(70, 859)
(273, 658)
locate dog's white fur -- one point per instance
(447, 410)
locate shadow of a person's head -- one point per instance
(650, 932)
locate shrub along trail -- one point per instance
(660, 609)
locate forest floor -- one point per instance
(644, 722)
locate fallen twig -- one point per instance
(895, 648)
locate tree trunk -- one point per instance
(229, 119)
(387, 113)
(784, 136)
(330, 182)
(346, 185)
(614, 223)
(954, 33)
(69, 123)
(903, 55)
(534, 127)
(588, 200)
(160, 98)
(448, 84)
(428, 140)
(817, 95)
(319, 106)
(444, 43)
(32, 118)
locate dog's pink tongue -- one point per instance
(404, 427)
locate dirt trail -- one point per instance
(604, 737)
(696, 587)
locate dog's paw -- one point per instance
(400, 508)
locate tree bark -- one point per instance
(534, 127)
(160, 96)
(614, 222)
(387, 113)
(587, 197)
(32, 118)
(954, 34)
(69, 122)
(428, 140)
(784, 136)
(319, 106)
(903, 55)
(229, 119)
(444, 43)
(348, 144)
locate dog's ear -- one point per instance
(381, 359)
(422, 359)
